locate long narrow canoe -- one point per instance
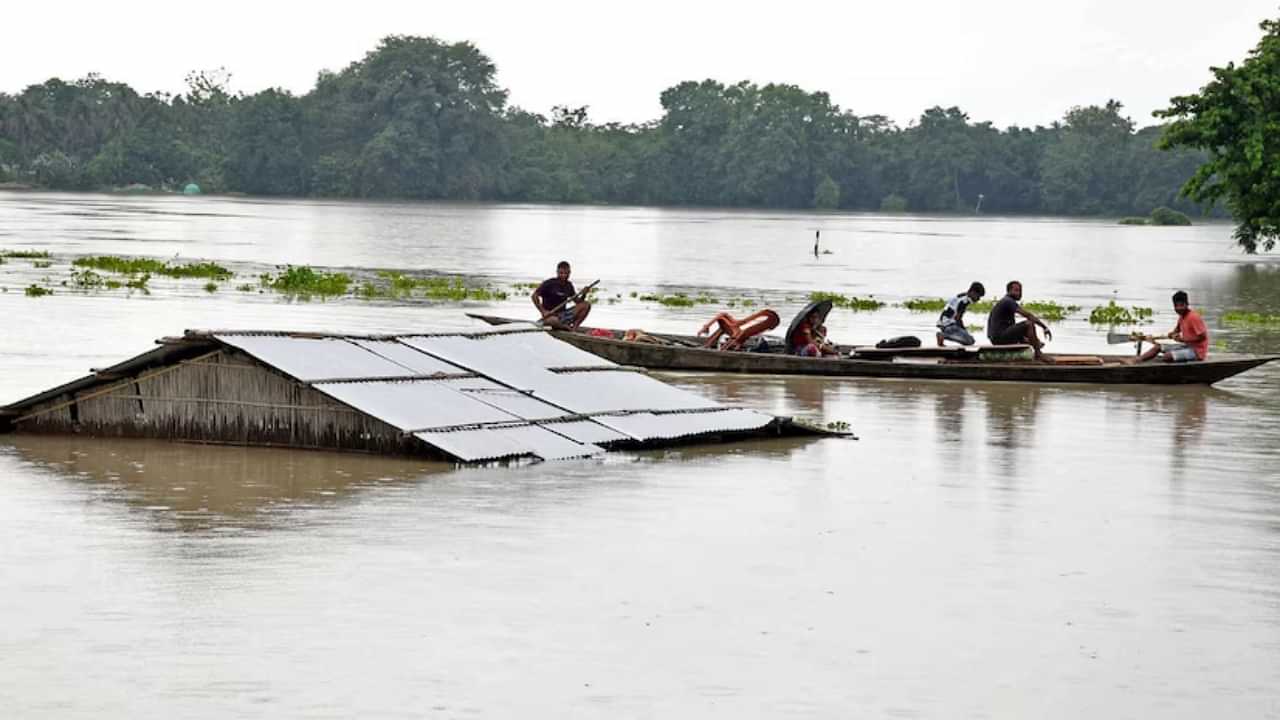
(684, 352)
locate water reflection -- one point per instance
(189, 487)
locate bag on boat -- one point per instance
(902, 341)
(760, 344)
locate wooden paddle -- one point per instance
(580, 294)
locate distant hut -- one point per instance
(461, 397)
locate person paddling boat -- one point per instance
(559, 304)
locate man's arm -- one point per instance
(1032, 317)
(536, 297)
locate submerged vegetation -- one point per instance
(1115, 314)
(1050, 310)
(1243, 319)
(848, 302)
(678, 299)
(397, 285)
(1159, 216)
(137, 266)
(925, 304)
(25, 254)
(304, 281)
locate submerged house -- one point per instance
(466, 397)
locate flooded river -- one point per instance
(996, 550)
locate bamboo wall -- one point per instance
(222, 397)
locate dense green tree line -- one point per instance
(421, 118)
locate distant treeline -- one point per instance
(420, 118)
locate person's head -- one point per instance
(1014, 289)
(1180, 305)
(562, 270)
(976, 291)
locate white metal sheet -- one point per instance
(613, 391)
(548, 445)
(415, 404)
(507, 442)
(670, 426)
(310, 359)
(582, 393)
(474, 445)
(586, 431)
(511, 368)
(416, 360)
(540, 348)
(515, 402)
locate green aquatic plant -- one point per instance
(209, 270)
(87, 279)
(1051, 310)
(25, 254)
(302, 280)
(136, 266)
(211, 287)
(1133, 221)
(676, 300)
(849, 302)
(120, 265)
(245, 288)
(1240, 318)
(1115, 314)
(925, 304)
(400, 285)
(42, 264)
(37, 291)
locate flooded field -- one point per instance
(996, 550)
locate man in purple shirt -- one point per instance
(552, 299)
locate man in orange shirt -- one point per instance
(1190, 331)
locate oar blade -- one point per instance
(1119, 338)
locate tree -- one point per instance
(264, 149)
(1235, 119)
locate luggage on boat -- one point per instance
(902, 341)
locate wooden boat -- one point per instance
(983, 363)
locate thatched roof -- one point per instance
(470, 397)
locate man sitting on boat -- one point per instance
(1003, 330)
(1191, 334)
(553, 298)
(738, 331)
(951, 323)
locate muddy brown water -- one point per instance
(996, 550)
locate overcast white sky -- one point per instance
(1008, 61)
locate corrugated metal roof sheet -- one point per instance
(416, 360)
(512, 368)
(582, 393)
(596, 392)
(310, 359)
(415, 404)
(535, 348)
(670, 426)
(507, 442)
(586, 431)
(517, 387)
(515, 402)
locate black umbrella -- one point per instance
(822, 307)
